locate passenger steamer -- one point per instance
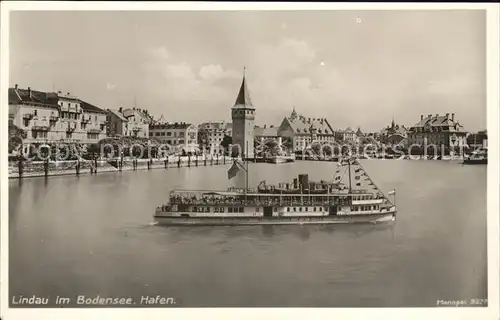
(299, 202)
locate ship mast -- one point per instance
(246, 173)
(349, 168)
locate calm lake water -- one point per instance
(93, 235)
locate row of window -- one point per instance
(168, 134)
(218, 209)
(44, 135)
(364, 197)
(364, 208)
(243, 112)
(240, 209)
(306, 209)
(173, 142)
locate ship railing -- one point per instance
(241, 202)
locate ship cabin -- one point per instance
(296, 199)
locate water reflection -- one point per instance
(302, 232)
(56, 223)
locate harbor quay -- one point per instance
(31, 169)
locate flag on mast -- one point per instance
(233, 171)
(392, 192)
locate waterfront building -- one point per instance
(211, 134)
(348, 135)
(394, 134)
(138, 122)
(437, 130)
(178, 136)
(304, 131)
(266, 133)
(117, 123)
(243, 117)
(50, 117)
(478, 139)
(94, 122)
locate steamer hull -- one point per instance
(236, 221)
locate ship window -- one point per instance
(326, 208)
(307, 209)
(300, 209)
(314, 209)
(294, 209)
(288, 209)
(230, 210)
(241, 209)
(275, 209)
(195, 209)
(207, 209)
(258, 209)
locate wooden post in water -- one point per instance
(149, 164)
(189, 160)
(20, 167)
(217, 162)
(46, 168)
(205, 159)
(95, 162)
(178, 161)
(77, 167)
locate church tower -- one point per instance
(243, 116)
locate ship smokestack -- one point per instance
(304, 181)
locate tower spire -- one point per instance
(243, 98)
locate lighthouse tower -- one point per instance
(243, 116)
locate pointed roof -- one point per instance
(243, 100)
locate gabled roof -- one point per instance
(243, 99)
(176, 125)
(17, 96)
(90, 108)
(265, 131)
(221, 125)
(303, 125)
(117, 114)
(437, 121)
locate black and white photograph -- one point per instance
(161, 159)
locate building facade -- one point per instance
(266, 133)
(117, 123)
(214, 133)
(478, 140)
(441, 131)
(394, 134)
(138, 122)
(50, 117)
(176, 136)
(304, 131)
(348, 135)
(243, 117)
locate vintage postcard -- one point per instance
(249, 160)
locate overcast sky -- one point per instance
(351, 67)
